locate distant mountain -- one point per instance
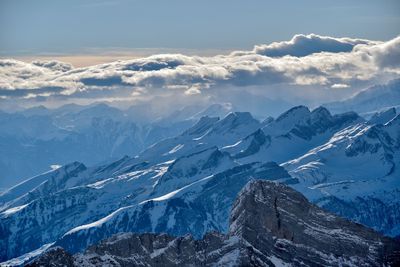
(270, 225)
(187, 184)
(39, 138)
(370, 100)
(37, 142)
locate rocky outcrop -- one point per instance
(270, 225)
(278, 221)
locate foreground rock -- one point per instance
(270, 225)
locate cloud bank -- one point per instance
(303, 45)
(305, 61)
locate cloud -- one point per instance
(53, 65)
(339, 86)
(303, 45)
(305, 61)
(384, 55)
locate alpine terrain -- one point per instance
(175, 192)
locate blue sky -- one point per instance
(52, 27)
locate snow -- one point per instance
(175, 149)
(55, 166)
(14, 210)
(173, 193)
(23, 259)
(97, 223)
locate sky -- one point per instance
(119, 28)
(292, 52)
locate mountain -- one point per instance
(288, 230)
(370, 100)
(131, 186)
(355, 174)
(207, 132)
(39, 142)
(290, 135)
(187, 184)
(39, 138)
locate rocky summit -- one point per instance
(271, 224)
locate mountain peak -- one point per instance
(234, 120)
(286, 221)
(321, 111)
(295, 112)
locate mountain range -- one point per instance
(40, 138)
(187, 183)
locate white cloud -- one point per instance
(306, 60)
(303, 45)
(53, 65)
(339, 86)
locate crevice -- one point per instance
(277, 215)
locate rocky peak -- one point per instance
(295, 113)
(296, 116)
(286, 222)
(319, 114)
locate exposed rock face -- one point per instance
(277, 220)
(270, 225)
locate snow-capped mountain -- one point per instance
(355, 174)
(188, 183)
(287, 229)
(290, 135)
